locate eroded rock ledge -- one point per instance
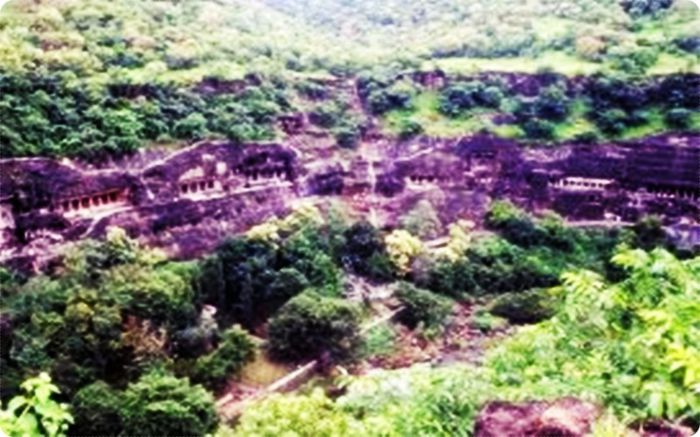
(188, 201)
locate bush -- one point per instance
(539, 129)
(193, 127)
(530, 306)
(409, 129)
(364, 252)
(382, 98)
(161, 404)
(310, 325)
(461, 97)
(298, 415)
(613, 121)
(422, 307)
(96, 408)
(347, 136)
(638, 8)
(679, 118)
(379, 342)
(235, 350)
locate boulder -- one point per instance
(567, 417)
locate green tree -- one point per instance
(161, 404)
(422, 307)
(97, 409)
(310, 325)
(234, 351)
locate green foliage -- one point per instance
(303, 416)
(418, 401)
(364, 252)
(422, 307)
(249, 279)
(422, 221)
(62, 118)
(381, 94)
(679, 118)
(108, 316)
(460, 97)
(531, 254)
(642, 331)
(310, 325)
(530, 306)
(235, 350)
(161, 404)
(347, 135)
(409, 129)
(97, 409)
(379, 341)
(35, 413)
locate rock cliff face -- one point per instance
(189, 201)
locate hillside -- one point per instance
(332, 218)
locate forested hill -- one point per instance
(225, 37)
(97, 78)
(498, 28)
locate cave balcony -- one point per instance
(89, 205)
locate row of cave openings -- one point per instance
(212, 184)
(93, 201)
(583, 183)
(673, 193)
(421, 180)
(658, 191)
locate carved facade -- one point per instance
(190, 200)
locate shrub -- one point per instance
(409, 129)
(310, 325)
(379, 341)
(347, 136)
(161, 404)
(192, 127)
(235, 350)
(422, 307)
(530, 306)
(679, 118)
(402, 248)
(461, 97)
(299, 415)
(96, 408)
(364, 252)
(539, 129)
(638, 8)
(613, 121)
(641, 329)
(382, 99)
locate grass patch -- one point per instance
(425, 112)
(576, 124)
(669, 64)
(263, 371)
(555, 61)
(380, 341)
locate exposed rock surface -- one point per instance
(566, 417)
(186, 202)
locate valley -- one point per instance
(331, 218)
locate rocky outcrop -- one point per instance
(212, 189)
(566, 417)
